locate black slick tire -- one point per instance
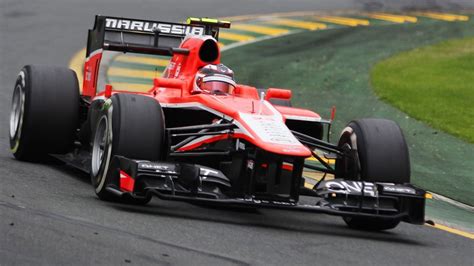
(45, 112)
(128, 125)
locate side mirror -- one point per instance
(282, 94)
(246, 91)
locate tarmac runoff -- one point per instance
(136, 73)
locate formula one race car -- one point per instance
(198, 136)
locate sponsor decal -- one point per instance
(270, 129)
(303, 118)
(206, 171)
(250, 164)
(398, 189)
(241, 146)
(258, 201)
(160, 168)
(153, 166)
(88, 75)
(178, 70)
(149, 26)
(351, 187)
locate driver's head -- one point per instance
(215, 79)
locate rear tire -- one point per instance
(379, 154)
(128, 125)
(45, 112)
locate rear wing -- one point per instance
(146, 36)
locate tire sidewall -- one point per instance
(358, 143)
(99, 179)
(349, 137)
(16, 142)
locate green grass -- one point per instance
(434, 84)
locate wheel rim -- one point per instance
(99, 145)
(351, 169)
(16, 114)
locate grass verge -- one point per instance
(433, 84)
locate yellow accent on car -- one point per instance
(220, 23)
(209, 20)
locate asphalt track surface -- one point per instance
(50, 215)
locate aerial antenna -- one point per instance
(262, 100)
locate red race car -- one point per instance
(198, 136)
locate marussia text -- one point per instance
(149, 26)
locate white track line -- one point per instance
(452, 202)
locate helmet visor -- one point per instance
(217, 87)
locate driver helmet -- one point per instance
(215, 79)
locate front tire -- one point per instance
(128, 125)
(378, 153)
(381, 152)
(45, 112)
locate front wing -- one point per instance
(201, 184)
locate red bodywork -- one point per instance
(259, 122)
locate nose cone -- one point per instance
(259, 123)
(271, 134)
